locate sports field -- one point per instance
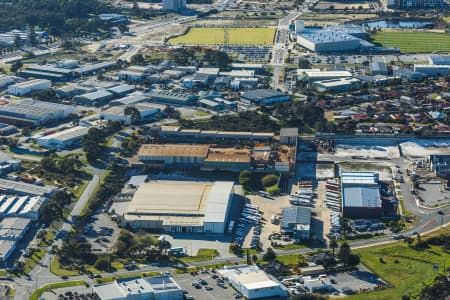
(236, 36)
(410, 41)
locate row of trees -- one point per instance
(94, 140)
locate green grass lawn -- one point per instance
(289, 247)
(56, 268)
(291, 259)
(31, 262)
(410, 41)
(236, 36)
(37, 293)
(202, 255)
(404, 268)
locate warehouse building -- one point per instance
(117, 113)
(46, 72)
(168, 97)
(328, 41)
(432, 70)
(22, 188)
(296, 221)
(173, 155)
(289, 136)
(314, 75)
(253, 283)
(130, 100)
(33, 112)
(337, 85)
(6, 80)
(264, 97)
(21, 206)
(63, 139)
(440, 164)
(228, 159)
(90, 69)
(137, 288)
(378, 68)
(361, 195)
(12, 231)
(23, 88)
(8, 164)
(181, 206)
(436, 59)
(97, 98)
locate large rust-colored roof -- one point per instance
(177, 150)
(228, 155)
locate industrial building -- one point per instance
(129, 100)
(181, 206)
(228, 159)
(296, 221)
(173, 155)
(6, 80)
(8, 164)
(97, 98)
(436, 59)
(264, 97)
(46, 72)
(137, 288)
(337, 85)
(21, 206)
(440, 164)
(12, 230)
(378, 68)
(416, 4)
(253, 283)
(168, 97)
(432, 70)
(23, 88)
(22, 188)
(328, 41)
(117, 113)
(90, 69)
(361, 195)
(314, 75)
(174, 5)
(30, 112)
(63, 139)
(289, 136)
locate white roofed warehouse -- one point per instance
(181, 206)
(253, 283)
(361, 195)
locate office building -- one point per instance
(360, 195)
(137, 288)
(23, 88)
(181, 206)
(253, 283)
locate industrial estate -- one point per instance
(225, 149)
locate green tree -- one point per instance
(333, 245)
(16, 66)
(32, 37)
(137, 59)
(344, 253)
(103, 263)
(304, 63)
(438, 290)
(47, 95)
(133, 113)
(269, 180)
(123, 28)
(245, 178)
(222, 60)
(269, 255)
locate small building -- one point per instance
(23, 88)
(253, 283)
(361, 195)
(289, 136)
(12, 230)
(264, 97)
(6, 80)
(155, 288)
(296, 220)
(316, 285)
(63, 139)
(97, 98)
(212, 105)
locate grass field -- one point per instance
(403, 267)
(202, 255)
(236, 36)
(37, 293)
(409, 41)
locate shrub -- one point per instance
(269, 180)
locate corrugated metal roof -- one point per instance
(361, 196)
(295, 215)
(218, 201)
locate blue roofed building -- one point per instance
(361, 195)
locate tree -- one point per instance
(303, 63)
(15, 66)
(269, 180)
(47, 95)
(333, 245)
(103, 264)
(137, 59)
(438, 290)
(123, 28)
(32, 36)
(133, 113)
(17, 41)
(245, 177)
(255, 258)
(222, 60)
(269, 255)
(249, 261)
(408, 240)
(344, 253)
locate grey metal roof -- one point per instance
(258, 95)
(361, 196)
(295, 215)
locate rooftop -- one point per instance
(261, 94)
(228, 155)
(249, 276)
(67, 134)
(328, 36)
(173, 150)
(295, 215)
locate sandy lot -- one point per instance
(370, 151)
(425, 147)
